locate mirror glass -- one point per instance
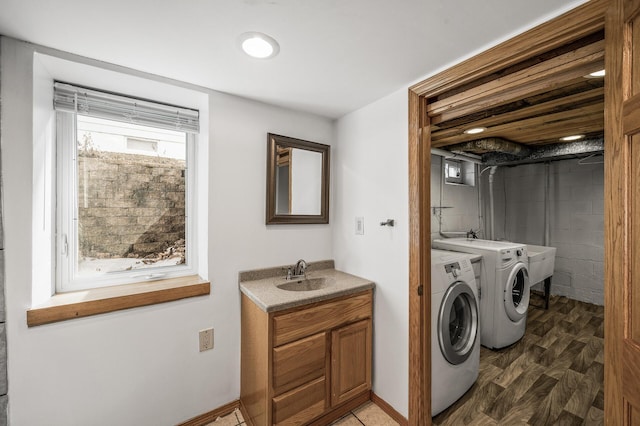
(297, 181)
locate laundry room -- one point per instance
(557, 203)
(517, 213)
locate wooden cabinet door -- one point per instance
(350, 361)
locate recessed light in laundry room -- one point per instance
(475, 130)
(571, 138)
(596, 74)
(259, 45)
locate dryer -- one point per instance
(504, 295)
(455, 342)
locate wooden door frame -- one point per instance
(579, 22)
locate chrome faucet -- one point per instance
(300, 269)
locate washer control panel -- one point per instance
(452, 268)
(508, 255)
(457, 268)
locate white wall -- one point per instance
(576, 220)
(371, 174)
(142, 366)
(459, 212)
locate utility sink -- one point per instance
(307, 284)
(542, 261)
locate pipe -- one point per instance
(480, 221)
(547, 206)
(448, 154)
(492, 172)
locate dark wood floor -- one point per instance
(553, 376)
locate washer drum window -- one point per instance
(516, 293)
(458, 323)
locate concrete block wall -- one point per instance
(133, 205)
(461, 201)
(576, 220)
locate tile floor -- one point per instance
(368, 414)
(553, 376)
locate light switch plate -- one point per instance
(359, 225)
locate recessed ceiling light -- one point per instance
(571, 138)
(595, 74)
(475, 130)
(259, 45)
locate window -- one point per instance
(453, 171)
(125, 189)
(459, 172)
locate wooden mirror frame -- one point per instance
(272, 218)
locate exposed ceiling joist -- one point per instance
(586, 119)
(535, 102)
(552, 106)
(535, 79)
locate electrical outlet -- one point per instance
(206, 339)
(359, 225)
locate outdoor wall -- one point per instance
(458, 205)
(576, 220)
(129, 205)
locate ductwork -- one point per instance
(492, 172)
(552, 152)
(482, 146)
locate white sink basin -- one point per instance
(542, 260)
(307, 284)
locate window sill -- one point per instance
(78, 304)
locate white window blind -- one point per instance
(116, 107)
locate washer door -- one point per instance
(458, 322)
(516, 293)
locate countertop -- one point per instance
(264, 293)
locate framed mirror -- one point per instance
(297, 181)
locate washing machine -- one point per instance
(455, 342)
(504, 293)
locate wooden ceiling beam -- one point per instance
(564, 80)
(539, 78)
(519, 130)
(555, 132)
(550, 107)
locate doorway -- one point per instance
(425, 101)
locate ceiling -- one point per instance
(538, 101)
(335, 55)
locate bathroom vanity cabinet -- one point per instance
(305, 365)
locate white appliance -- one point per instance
(542, 262)
(504, 295)
(455, 342)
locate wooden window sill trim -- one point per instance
(78, 304)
